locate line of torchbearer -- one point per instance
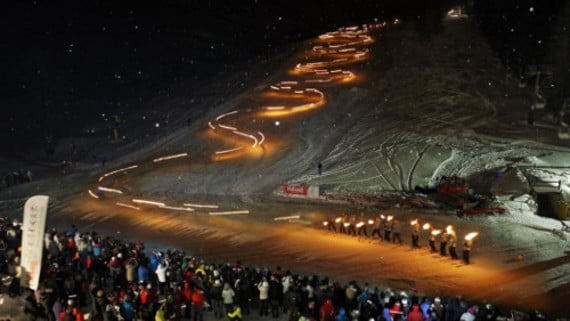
(388, 228)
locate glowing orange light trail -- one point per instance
(340, 47)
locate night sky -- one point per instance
(65, 63)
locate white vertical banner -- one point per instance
(33, 230)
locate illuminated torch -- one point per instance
(471, 236)
(426, 226)
(360, 224)
(414, 222)
(389, 218)
(370, 222)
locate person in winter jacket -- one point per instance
(142, 273)
(198, 303)
(244, 293)
(160, 315)
(228, 297)
(469, 315)
(127, 309)
(341, 316)
(363, 297)
(386, 314)
(425, 307)
(395, 310)
(99, 301)
(275, 293)
(326, 312)
(130, 270)
(235, 315)
(111, 313)
(215, 296)
(161, 276)
(263, 288)
(415, 314)
(350, 293)
(437, 309)
(67, 315)
(396, 231)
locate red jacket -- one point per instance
(415, 314)
(77, 315)
(143, 296)
(198, 299)
(326, 312)
(187, 292)
(396, 309)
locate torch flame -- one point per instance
(390, 217)
(471, 236)
(360, 224)
(414, 222)
(435, 232)
(426, 226)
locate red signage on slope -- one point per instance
(295, 189)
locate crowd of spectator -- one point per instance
(87, 276)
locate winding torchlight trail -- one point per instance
(333, 49)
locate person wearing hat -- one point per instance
(215, 296)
